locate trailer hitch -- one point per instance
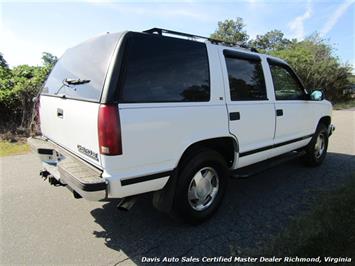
(51, 179)
(44, 174)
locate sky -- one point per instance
(28, 28)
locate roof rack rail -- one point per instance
(160, 31)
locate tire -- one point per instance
(316, 150)
(201, 184)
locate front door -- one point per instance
(294, 120)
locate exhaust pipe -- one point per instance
(126, 204)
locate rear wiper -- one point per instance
(75, 81)
(67, 82)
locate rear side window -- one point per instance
(246, 79)
(161, 69)
(87, 61)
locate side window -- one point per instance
(246, 79)
(286, 86)
(161, 69)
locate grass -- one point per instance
(328, 230)
(13, 148)
(344, 105)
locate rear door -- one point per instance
(69, 110)
(251, 114)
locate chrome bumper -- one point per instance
(70, 170)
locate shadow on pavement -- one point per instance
(253, 211)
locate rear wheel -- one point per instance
(316, 150)
(201, 185)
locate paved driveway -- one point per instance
(41, 224)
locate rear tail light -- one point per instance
(109, 130)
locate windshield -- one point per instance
(87, 61)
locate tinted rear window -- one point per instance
(89, 61)
(246, 80)
(162, 69)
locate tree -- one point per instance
(18, 86)
(5, 74)
(49, 60)
(314, 62)
(3, 62)
(272, 40)
(231, 31)
(28, 83)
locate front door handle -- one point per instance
(234, 116)
(279, 112)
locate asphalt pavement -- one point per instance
(42, 224)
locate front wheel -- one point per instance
(316, 150)
(201, 185)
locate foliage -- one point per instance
(272, 40)
(18, 86)
(48, 59)
(318, 68)
(347, 104)
(231, 31)
(3, 62)
(8, 148)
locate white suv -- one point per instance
(129, 113)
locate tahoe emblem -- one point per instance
(88, 152)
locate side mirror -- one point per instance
(317, 96)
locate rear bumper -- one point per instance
(70, 170)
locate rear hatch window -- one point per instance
(86, 62)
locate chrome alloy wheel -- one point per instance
(203, 188)
(319, 146)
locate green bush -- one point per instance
(318, 68)
(18, 86)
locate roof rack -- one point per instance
(160, 31)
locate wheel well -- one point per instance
(226, 146)
(325, 120)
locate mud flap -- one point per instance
(163, 199)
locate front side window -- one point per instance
(246, 79)
(286, 86)
(161, 69)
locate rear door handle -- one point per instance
(234, 116)
(60, 113)
(279, 112)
